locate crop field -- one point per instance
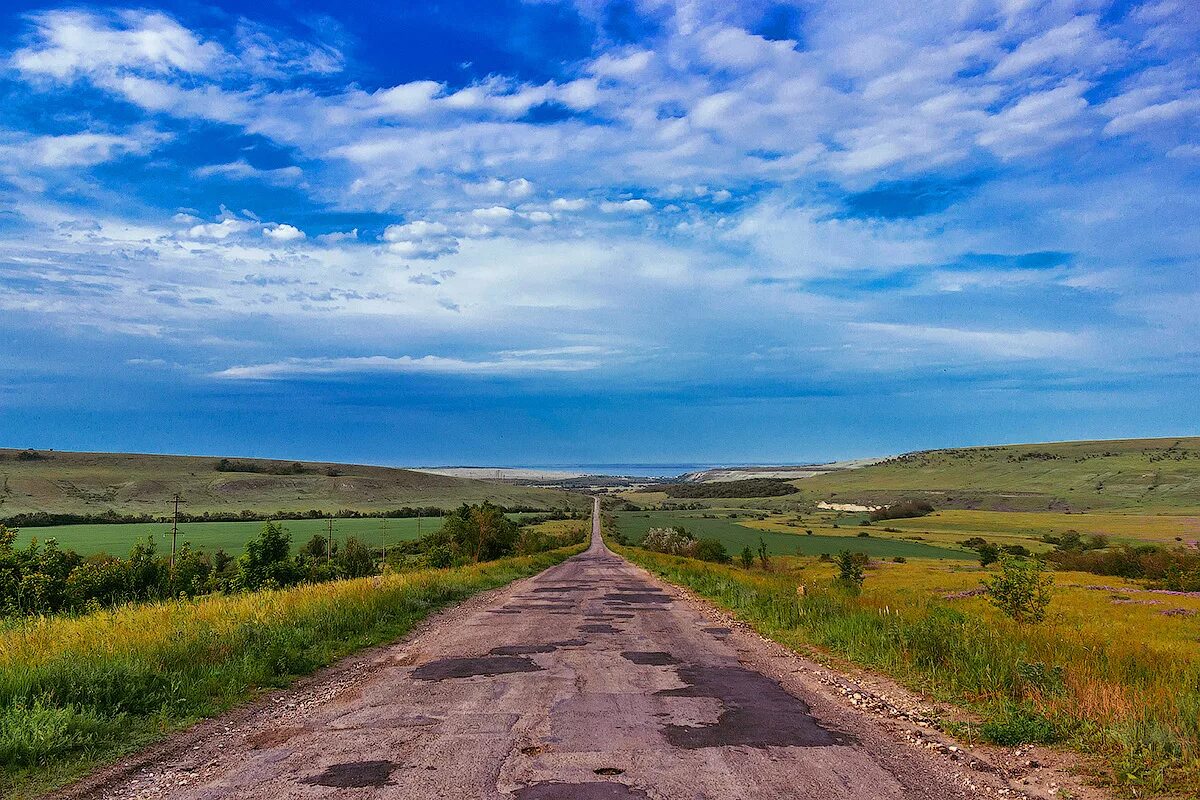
(131, 483)
(735, 535)
(1114, 670)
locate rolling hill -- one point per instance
(1157, 475)
(130, 483)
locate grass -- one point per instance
(735, 535)
(132, 483)
(1131, 474)
(77, 692)
(1117, 680)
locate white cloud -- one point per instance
(227, 227)
(338, 236)
(1023, 344)
(516, 188)
(283, 232)
(507, 363)
(636, 205)
(75, 42)
(564, 204)
(494, 214)
(241, 170)
(86, 149)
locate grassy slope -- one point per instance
(1155, 475)
(85, 483)
(77, 692)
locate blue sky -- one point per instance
(554, 232)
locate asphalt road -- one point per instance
(589, 681)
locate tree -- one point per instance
(762, 554)
(988, 553)
(265, 564)
(851, 570)
(747, 557)
(356, 559)
(1021, 589)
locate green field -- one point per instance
(130, 483)
(228, 536)
(735, 536)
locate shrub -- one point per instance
(671, 541)
(712, 550)
(747, 557)
(1021, 589)
(851, 570)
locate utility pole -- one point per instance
(329, 542)
(174, 530)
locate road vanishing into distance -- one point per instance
(589, 681)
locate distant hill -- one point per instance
(130, 483)
(1141, 474)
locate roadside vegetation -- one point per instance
(42, 578)
(1113, 671)
(80, 690)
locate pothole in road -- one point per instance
(355, 775)
(718, 631)
(522, 649)
(637, 597)
(471, 667)
(757, 712)
(599, 627)
(649, 659)
(609, 771)
(602, 790)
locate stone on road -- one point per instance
(590, 680)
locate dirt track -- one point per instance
(589, 681)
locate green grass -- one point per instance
(1132, 474)
(736, 536)
(1131, 708)
(78, 692)
(131, 483)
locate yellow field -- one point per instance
(1126, 613)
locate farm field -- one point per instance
(735, 536)
(131, 483)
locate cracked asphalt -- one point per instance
(590, 680)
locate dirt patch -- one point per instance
(271, 738)
(718, 631)
(355, 775)
(757, 712)
(649, 659)
(472, 667)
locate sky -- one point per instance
(551, 232)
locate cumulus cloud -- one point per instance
(283, 233)
(636, 205)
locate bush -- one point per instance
(672, 541)
(851, 570)
(747, 557)
(1021, 589)
(712, 550)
